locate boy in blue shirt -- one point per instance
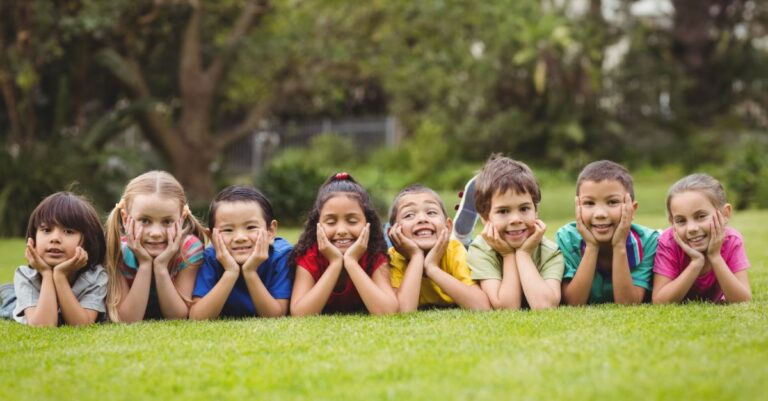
(246, 271)
(607, 257)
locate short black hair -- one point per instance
(240, 193)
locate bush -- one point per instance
(747, 173)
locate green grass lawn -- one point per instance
(693, 351)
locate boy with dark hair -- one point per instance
(607, 257)
(514, 263)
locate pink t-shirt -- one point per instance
(671, 260)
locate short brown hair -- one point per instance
(499, 175)
(603, 170)
(413, 189)
(68, 210)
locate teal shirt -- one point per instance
(641, 250)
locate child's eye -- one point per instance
(226, 230)
(253, 227)
(525, 209)
(679, 221)
(144, 221)
(613, 202)
(701, 216)
(167, 222)
(408, 215)
(587, 203)
(432, 213)
(70, 231)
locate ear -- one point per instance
(123, 215)
(449, 224)
(727, 211)
(208, 232)
(272, 231)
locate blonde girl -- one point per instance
(698, 256)
(154, 250)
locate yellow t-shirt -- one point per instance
(454, 262)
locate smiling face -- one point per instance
(601, 204)
(155, 214)
(422, 219)
(513, 215)
(691, 215)
(55, 243)
(342, 219)
(239, 224)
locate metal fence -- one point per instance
(252, 153)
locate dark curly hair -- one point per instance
(341, 184)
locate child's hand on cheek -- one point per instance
(260, 252)
(493, 239)
(697, 258)
(356, 251)
(587, 235)
(222, 253)
(435, 255)
(73, 264)
(716, 235)
(133, 235)
(173, 236)
(325, 247)
(33, 258)
(403, 245)
(622, 229)
(537, 233)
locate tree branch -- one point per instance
(225, 139)
(219, 65)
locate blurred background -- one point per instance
(282, 93)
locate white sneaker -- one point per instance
(466, 215)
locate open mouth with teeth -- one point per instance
(242, 249)
(515, 235)
(343, 243)
(602, 228)
(698, 241)
(424, 233)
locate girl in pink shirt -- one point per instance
(698, 257)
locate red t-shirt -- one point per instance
(348, 299)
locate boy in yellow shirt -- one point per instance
(428, 268)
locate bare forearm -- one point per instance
(675, 290)
(466, 296)
(46, 312)
(265, 304)
(408, 293)
(576, 292)
(71, 310)
(210, 306)
(314, 300)
(733, 289)
(538, 294)
(172, 305)
(510, 293)
(133, 306)
(376, 301)
(624, 291)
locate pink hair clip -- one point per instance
(342, 176)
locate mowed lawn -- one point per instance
(693, 351)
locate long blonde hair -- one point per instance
(152, 182)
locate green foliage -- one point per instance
(291, 185)
(746, 174)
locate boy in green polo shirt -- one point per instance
(515, 265)
(607, 257)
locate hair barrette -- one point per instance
(342, 176)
